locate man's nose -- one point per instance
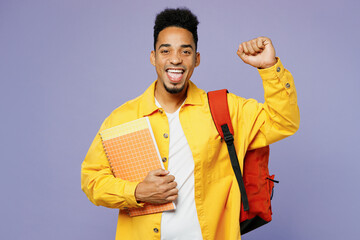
(175, 59)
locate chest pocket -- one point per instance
(218, 164)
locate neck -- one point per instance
(169, 102)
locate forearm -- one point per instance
(279, 115)
(99, 184)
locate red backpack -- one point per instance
(256, 185)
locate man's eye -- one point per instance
(186, 52)
(164, 51)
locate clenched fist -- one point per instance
(258, 52)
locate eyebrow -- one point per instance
(182, 46)
(186, 46)
(164, 45)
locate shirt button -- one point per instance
(287, 85)
(156, 230)
(164, 159)
(278, 69)
(161, 111)
(166, 135)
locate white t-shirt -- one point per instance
(181, 223)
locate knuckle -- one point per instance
(162, 181)
(169, 178)
(161, 189)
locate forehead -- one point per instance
(175, 36)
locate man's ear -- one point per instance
(152, 57)
(197, 59)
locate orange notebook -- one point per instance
(132, 152)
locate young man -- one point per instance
(198, 175)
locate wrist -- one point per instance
(137, 195)
(269, 65)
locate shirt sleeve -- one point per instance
(279, 116)
(99, 183)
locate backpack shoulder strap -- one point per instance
(220, 113)
(220, 110)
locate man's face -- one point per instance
(174, 58)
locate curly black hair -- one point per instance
(179, 17)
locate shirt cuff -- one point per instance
(129, 192)
(274, 72)
(277, 73)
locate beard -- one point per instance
(174, 90)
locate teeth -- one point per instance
(175, 70)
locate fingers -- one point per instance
(170, 192)
(253, 47)
(159, 172)
(260, 43)
(165, 192)
(157, 187)
(171, 185)
(172, 195)
(169, 189)
(256, 45)
(159, 176)
(167, 185)
(168, 179)
(240, 52)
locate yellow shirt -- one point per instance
(217, 195)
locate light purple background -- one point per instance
(65, 65)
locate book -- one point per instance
(132, 152)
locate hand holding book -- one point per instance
(133, 155)
(158, 187)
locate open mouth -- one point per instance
(175, 74)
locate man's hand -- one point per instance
(259, 52)
(158, 187)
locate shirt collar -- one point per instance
(148, 105)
